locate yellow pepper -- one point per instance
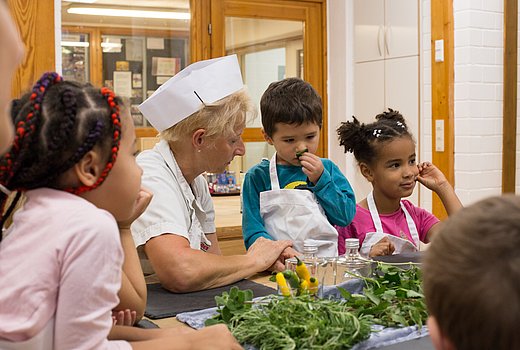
(302, 271)
(304, 285)
(282, 283)
(313, 285)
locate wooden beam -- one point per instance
(35, 21)
(510, 96)
(442, 93)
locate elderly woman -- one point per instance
(200, 114)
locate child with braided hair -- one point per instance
(385, 152)
(68, 180)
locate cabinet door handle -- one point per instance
(379, 40)
(386, 40)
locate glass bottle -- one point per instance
(352, 264)
(316, 266)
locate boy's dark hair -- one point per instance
(363, 139)
(290, 101)
(56, 124)
(471, 275)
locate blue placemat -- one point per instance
(379, 338)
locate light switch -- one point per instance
(439, 135)
(439, 50)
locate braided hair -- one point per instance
(56, 124)
(363, 140)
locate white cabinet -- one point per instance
(386, 66)
(385, 29)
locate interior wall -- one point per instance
(340, 84)
(426, 94)
(340, 79)
(478, 98)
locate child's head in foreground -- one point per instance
(472, 277)
(385, 152)
(76, 138)
(291, 112)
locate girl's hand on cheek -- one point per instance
(312, 166)
(430, 176)
(143, 199)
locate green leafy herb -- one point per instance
(231, 304)
(393, 297)
(300, 153)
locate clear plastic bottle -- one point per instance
(352, 264)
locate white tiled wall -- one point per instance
(478, 98)
(426, 94)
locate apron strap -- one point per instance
(275, 185)
(373, 212)
(411, 226)
(377, 220)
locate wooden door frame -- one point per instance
(509, 125)
(208, 14)
(443, 94)
(35, 22)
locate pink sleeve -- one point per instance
(90, 281)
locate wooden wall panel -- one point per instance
(442, 93)
(510, 96)
(35, 21)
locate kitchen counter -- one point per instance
(228, 220)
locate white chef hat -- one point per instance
(200, 83)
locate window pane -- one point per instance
(126, 48)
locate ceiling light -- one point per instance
(82, 1)
(111, 45)
(75, 43)
(98, 11)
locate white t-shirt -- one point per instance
(176, 207)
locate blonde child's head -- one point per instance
(471, 275)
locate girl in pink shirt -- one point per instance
(68, 181)
(384, 223)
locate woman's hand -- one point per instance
(383, 247)
(279, 264)
(267, 253)
(144, 198)
(312, 166)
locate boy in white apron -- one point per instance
(384, 223)
(296, 195)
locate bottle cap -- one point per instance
(352, 243)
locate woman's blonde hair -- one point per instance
(218, 119)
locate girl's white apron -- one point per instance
(296, 215)
(401, 245)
